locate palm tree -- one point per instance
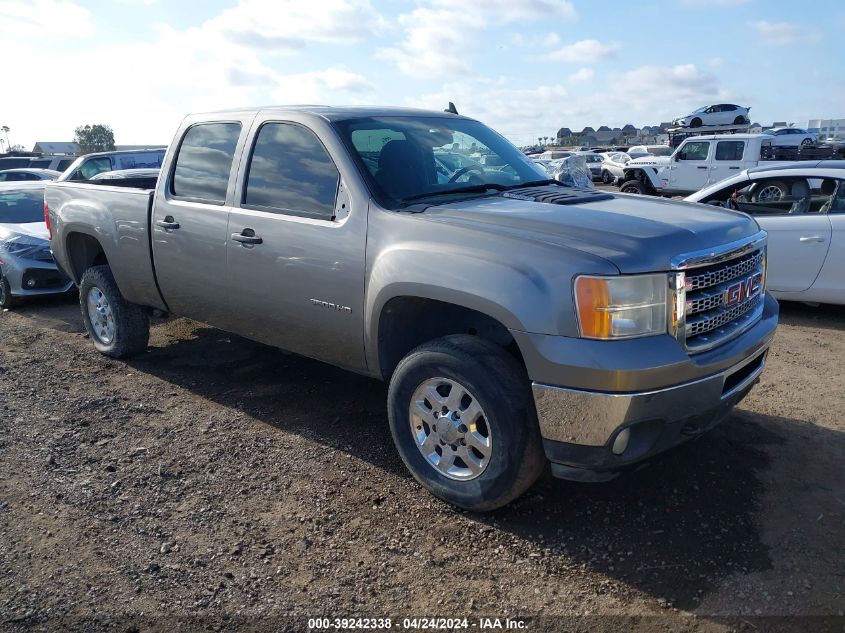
(5, 130)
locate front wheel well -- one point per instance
(83, 252)
(407, 322)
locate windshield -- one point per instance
(409, 158)
(661, 151)
(700, 110)
(21, 207)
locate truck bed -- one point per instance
(117, 214)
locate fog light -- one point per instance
(621, 442)
(30, 283)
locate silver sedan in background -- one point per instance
(27, 268)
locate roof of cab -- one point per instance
(807, 165)
(338, 113)
(726, 137)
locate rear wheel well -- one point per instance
(407, 322)
(84, 251)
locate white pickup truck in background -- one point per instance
(699, 161)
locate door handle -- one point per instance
(247, 236)
(167, 223)
(702, 166)
(733, 167)
(811, 238)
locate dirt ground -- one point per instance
(214, 484)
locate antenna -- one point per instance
(451, 109)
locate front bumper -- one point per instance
(30, 278)
(619, 386)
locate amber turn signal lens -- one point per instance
(593, 298)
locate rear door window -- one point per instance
(730, 150)
(204, 162)
(291, 172)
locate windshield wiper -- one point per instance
(467, 189)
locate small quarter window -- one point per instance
(204, 162)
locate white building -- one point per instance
(827, 127)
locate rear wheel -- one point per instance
(807, 142)
(632, 186)
(464, 423)
(7, 300)
(117, 328)
(606, 177)
(740, 120)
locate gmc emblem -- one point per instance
(743, 290)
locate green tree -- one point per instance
(94, 138)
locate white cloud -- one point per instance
(585, 52)
(783, 33)
(511, 111)
(439, 35)
(44, 18)
(552, 39)
(432, 39)
(645, 95)
(206, 68)
(715, 3)
(510, 10)
(582, 74)
(291, 24)
(313, 87)
(715, 62)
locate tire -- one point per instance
(130, 326)
(7, 300)
(633, 186)
(740, 120)
(696, 122)
(770, 191)
(807, 142)
(606, 177)
(491, 380)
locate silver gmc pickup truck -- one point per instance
(517, 321)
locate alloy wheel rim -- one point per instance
(101, 316)
(770, 193)
(450, 429)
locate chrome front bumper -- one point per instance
(594, 419)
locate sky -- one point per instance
(524, 67)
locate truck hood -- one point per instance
(636, 233)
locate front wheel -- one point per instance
(632, 186)
(464, 423)
(117, 328)
(807, 142)
(696, 122)
(7, 299)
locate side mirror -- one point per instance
(676, 156)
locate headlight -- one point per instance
(625, 306)
(22, 246)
